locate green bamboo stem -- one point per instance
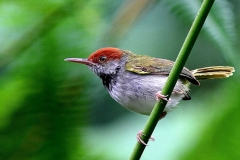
(173, 77)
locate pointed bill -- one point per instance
(80, 60)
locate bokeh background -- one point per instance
(51, 109)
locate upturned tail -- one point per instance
(213, 72)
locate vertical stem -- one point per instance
(173, 76)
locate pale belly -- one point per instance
(140, 95)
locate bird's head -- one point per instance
(103, 61)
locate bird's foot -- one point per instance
(140, 140)
(159, 95)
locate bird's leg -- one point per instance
(163, 115)
(139, 134)
(159, 95)
(140, 140)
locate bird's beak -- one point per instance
(80, 60)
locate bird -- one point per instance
(135, 81)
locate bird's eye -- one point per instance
(102, 59)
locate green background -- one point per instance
(51, 109)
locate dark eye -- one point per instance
(102, 59)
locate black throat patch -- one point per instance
(109, 80)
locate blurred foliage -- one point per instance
(41, 111)
(219, 27)
(220, 140)
(51, 109)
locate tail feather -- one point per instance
(213, 72)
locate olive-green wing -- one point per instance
(148, 65)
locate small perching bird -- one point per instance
(135, 81)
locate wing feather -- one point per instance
(148, 65)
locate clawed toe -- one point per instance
(159, 95)
(139, 134)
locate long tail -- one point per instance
(213, 72)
